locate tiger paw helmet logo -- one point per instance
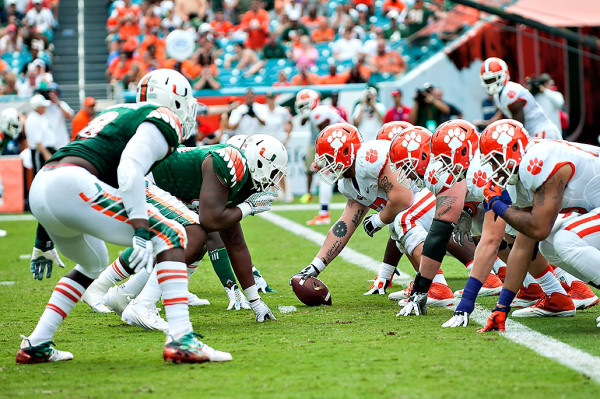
(371, 156)
(337, 139)
(503, 134)
(431, 177)
(454, 138)
(535, 166)
(480, 178)
(411, 141)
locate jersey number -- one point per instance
(378, 204)
(96, 125)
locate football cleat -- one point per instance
(554, 305)
(193, 300)
(93, 297)
(582, 295)
(400, 295)
(501, 273)
(42, 353)
(527, 296)
(144, 316)
(598, 321)
(306, 198)
(319, 220)
(439, 295)
(491, 287)
(189, 349)
(116, 299)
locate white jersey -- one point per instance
(323, 113)
(536, 121)
(545, 157)
(363, 188)
(435, 185)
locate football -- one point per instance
(311, 292)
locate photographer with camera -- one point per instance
(368, 114)
(550, 100)
(428, 109)
(249, 117)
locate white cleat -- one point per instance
(144, 316)
(116, 299)
(193, 300)
(93, 297)
(598, 321)
(400, 295)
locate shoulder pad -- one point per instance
(231, 165)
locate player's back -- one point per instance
(102, 141)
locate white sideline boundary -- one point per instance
(543, 345)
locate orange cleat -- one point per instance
(491, 287)
(502, 273)
(553, 305)
(319, 220)
(582, 295)
(527, 296)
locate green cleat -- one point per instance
(42, 353)
(188, 349)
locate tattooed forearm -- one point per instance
(333, 251)
(443, 205)
(358, 217)
(386, 184)
(340, 229)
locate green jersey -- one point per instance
(102, 141)
(180, 174)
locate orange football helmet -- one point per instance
(503, 144)
(390, 129)
(494, 75)
(454, 144)
(410, 151)
(336, 149)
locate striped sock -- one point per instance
(115, 273)
(469, 266)
(439, 278)
(66, 294)
(172, 278)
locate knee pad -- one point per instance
(437, 239)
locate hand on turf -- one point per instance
(417, 302)
(496, 321)
(260, 202)
(237, 299)
(463, 229)
(261, 283)
(372, 224)
(379, 286)
(142, 255)
(262, 311)
(458, 319)
(44, 260)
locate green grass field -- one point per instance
(356, 348)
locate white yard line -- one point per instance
(16, 218)
(549, 347)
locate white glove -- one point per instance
(598, 321)
(417, 302)
(43, 260)
(260, 282)
(372, 224)
(262, 311)
(379, 286)
(463, 229)
(458, 319)
(256, 203)
(237, 299)
(142, 255)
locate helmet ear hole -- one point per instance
(259, 163)
(463, 152)
(515, 147)
(177, 104)
(346, 151)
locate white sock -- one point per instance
(469, 266)
(172, 278)
(386, 271)
(528, 280)
(115, 273)
(136, 283)
(151, 292)
(192, 268)
(66, 294)
(439, 278)
(564, 276)
(549, 283)
(497, 265)
(325, 195)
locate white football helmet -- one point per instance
(306, 101)
(237, 140)
(267, 161)
(494, 75)
(169, 88)
(10, 123)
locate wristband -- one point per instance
(499, 208)
(386, 271)
(245, 208)
(142, 233)
(251, 293)
(318, 264)
(377, 221)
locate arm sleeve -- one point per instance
(147, 146)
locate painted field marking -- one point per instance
(543, 345)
